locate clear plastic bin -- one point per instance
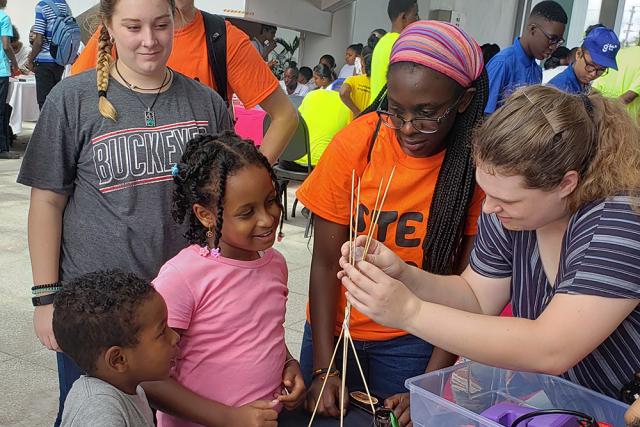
(456, 396)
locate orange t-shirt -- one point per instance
(403, 221)
(248, 76)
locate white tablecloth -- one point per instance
(22, 98)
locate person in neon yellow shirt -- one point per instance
(624, 84)
(401, 13)
(356, 90)
(325, 115)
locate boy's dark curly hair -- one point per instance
(201, 177)
(96, 311)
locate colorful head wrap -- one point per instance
(442, 47)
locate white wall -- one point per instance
(351, 24)
(316, 45)
(22, 14)
(488, 21)
(372, 14)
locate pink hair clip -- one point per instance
(215, 252)
(204, 251)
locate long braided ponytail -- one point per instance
(103, 69)
(454, 188)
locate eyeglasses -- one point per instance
(424, 125)
(553, 40)
(592, 68)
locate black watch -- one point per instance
(43, 300)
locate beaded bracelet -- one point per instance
(324, 371)
(46, 285)
(46, 290)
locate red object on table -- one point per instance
(249, 123)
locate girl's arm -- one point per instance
(173, 398)
(345, 95)
(570, 328)
(323, 297)
(44, 235)
(284, 122)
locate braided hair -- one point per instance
(103, 68)
(455, 185)
(201, 177)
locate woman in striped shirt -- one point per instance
(559, 239)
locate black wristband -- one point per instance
(43, 300)
(48, 285)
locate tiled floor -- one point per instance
(28, 378)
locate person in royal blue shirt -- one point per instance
(516, 65)
(596, 55)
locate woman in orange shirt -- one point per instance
(248, 75)
(436, 94)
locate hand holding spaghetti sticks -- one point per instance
(345, 335)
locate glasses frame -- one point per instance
(592, 68)
(553, 41)
(437, 120)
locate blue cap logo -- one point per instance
(603, 46)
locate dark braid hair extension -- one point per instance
(455, 187)
(207, 162)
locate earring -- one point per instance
(204, 250)
(111, 39)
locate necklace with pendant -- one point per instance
(149, 114)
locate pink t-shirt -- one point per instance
(232, 312)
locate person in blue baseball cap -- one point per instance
(596, 55)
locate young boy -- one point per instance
(114, 326)
(401, 13)
(516, 65)
(596, 55)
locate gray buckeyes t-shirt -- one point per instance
(117, 174)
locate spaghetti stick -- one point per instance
(345, 348)
(377, 216)
(351, 233)
(364, 380)
(326, 378)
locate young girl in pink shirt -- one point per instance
(226, 292)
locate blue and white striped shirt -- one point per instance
(45, 17)
(600, 256)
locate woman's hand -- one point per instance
(378, 254)
(294, 385)
(378, 296)
(43, 326)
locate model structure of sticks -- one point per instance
(345, 335)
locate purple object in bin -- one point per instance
(506, 413)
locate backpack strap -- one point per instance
(373, 139)
(216, 36)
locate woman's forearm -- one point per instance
(284, 122)
(45, 233)
(505, 342)
(451, 291)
